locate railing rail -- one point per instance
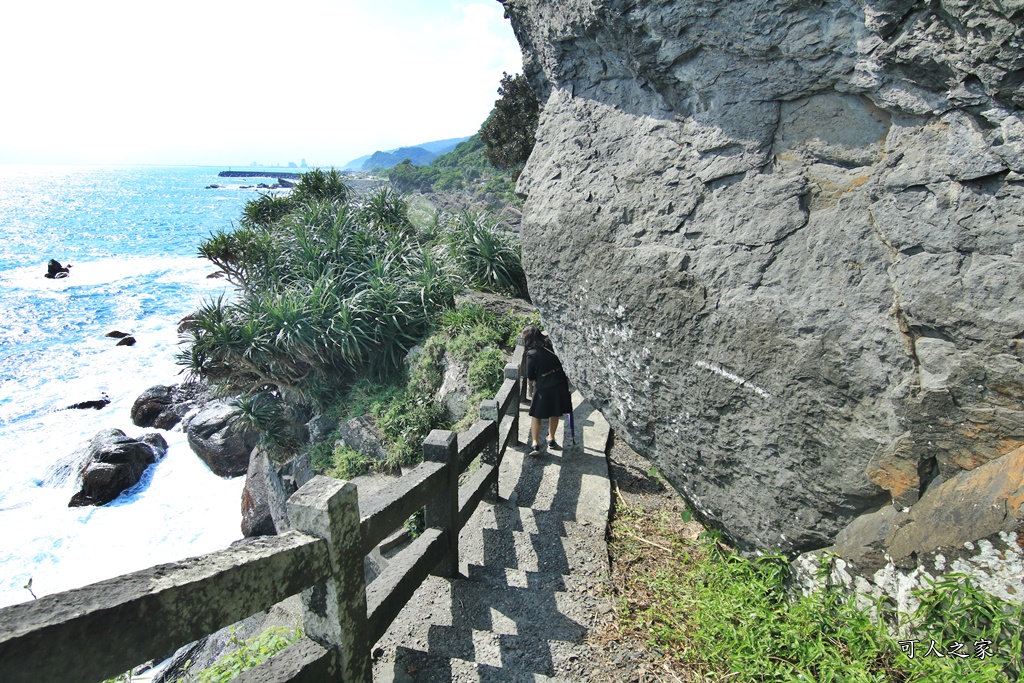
(99, 631)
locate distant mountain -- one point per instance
(416, 155)
(420, 155)
(440, 147)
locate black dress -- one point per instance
(551, 396)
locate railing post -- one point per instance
(489, 455)
(443, 510)
(334, 612)
(512, 372)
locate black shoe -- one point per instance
(553, 445)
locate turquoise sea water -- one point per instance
(131, 236)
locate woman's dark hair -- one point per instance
(533, 338)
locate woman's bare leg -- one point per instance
(535, 431)
(552, 427)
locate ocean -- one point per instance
(131, 235)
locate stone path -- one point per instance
(533, 565)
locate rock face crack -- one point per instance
(902, 323)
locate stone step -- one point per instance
(533, 566)
(572, 481)
(500, 662)
(472, 626)
(514, 538)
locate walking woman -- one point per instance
(551, 398)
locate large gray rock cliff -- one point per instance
(779, 243)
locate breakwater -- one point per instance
(258, 174)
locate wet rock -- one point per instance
(164, 407)
(55, 271)
(115, 462)
(116, 334)
(219, 440)
(95, 404)
(127, 341)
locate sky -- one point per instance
(229, 83)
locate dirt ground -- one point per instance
(637, 547)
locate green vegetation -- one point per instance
(488, 164)
(246, 655)
(465, 170)
(404, 406)
(718, 616)
(334, 291)
(510, 132)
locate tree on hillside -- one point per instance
(510, 131)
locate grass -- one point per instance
(246, 655)
(711, 615)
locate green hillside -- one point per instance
(464, 169)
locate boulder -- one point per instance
(779, 244)
(269, 484)
(117, 334)
(320, 428)
(362, 436)
(115, 462)
(55, 271)
(257, 519)
(454, 391)
(127, 341)
(219, 440)
(164, 406)
(971, 524)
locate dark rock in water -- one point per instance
(86, 405)
(117, 334)
(213, 187)
(115, 462)
(362, 436)
(55, 271)
(165, 406)
(188, 322)
(218, 440)
(150, 405)
(127, 341)
(157, 442)
(257, 519)
(211, 276)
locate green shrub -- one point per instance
(332, 289)
(486, 257)
(248, 654)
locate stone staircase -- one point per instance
(533, 569)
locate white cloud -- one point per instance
(118, 81)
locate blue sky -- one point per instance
(190, 82)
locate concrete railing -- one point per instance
(97, 632)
